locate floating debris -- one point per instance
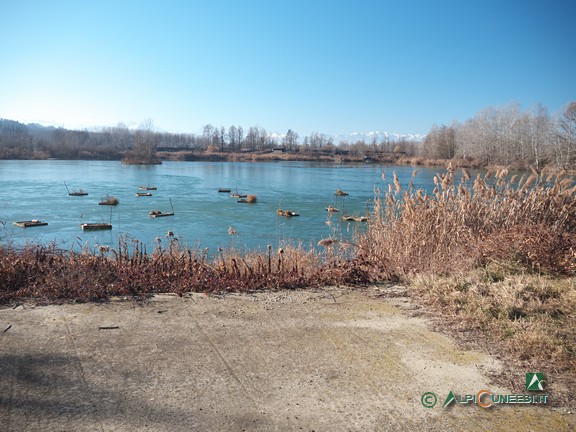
(30, 223)
(355, 218)
(250, 199)
(109, 200)
(79, 192)
(286, 213)
(159, 213)
(96, 226)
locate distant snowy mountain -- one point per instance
(369, 137)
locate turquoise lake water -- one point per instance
(36, 190)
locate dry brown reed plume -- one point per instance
(462, 225)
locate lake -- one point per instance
(36, 190)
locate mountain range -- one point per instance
(378, 136)
(367, 137)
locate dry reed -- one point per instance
(457, 227)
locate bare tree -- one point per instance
(207, 136)
(144, 150)
(252, 138)
(441, 142)
(492, 136)
(565, 143)
(240, 131)
(540, 129)
(264, 139)
(235, 137)
(232, 134)
(290, 140)
(215, 139)
(317, 140)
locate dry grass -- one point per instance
(529, 319)
(467, 224)
(535, 314)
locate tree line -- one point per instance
(494, 136)
(508, 136)
(32, 141)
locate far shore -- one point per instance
(381, 158)
(266, 156)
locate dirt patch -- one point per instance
(332, 359)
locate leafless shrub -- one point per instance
(48, 274)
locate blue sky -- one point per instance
(334, 67)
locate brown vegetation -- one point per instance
(470, 223)
(535, 314)
(46, 274)
(109, 200)
(529, 319)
